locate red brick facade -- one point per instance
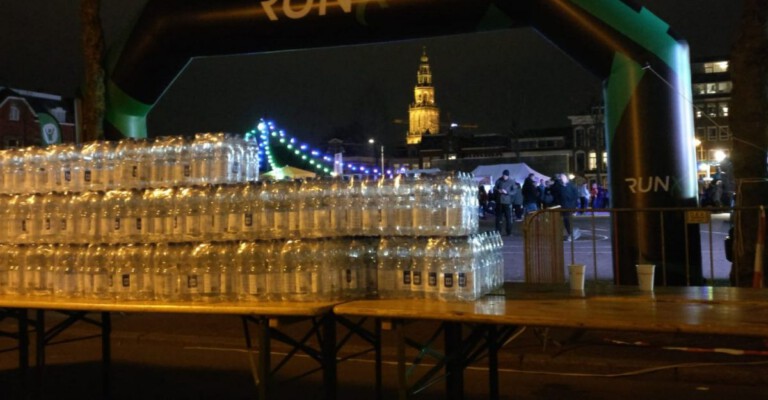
(19, 126)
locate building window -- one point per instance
(580, 161)
(711, 133)
(711, 109)
(14, 114)
(722, 109)
(716, 67)
(725, 133)
(592, 161)
(605, 161)
(579, 139)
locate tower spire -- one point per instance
(424, 115)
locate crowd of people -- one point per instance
(509, 201)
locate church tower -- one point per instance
(424, 115)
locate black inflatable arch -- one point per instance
(643, 64)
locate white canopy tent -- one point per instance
(488, 174)
(287, 172)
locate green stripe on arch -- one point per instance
(625, 76)
(645, 28)
(126, 114)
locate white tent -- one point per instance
(287, 172)
(488, 174)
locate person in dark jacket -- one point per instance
(505, 187)
(565, 195)
(530, 194)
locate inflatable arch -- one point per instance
(643, 64)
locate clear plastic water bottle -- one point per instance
(38, 272)
(386, 206)
(418, 267)
(274, 270)
(331, 262)
(29, 221)
(431, 267)
(15, 260)
(354, 208)
(66, 168)
(97, 164)
(192, 203)
(65, 217)
(251, 262)
(201, 152)
(422, 206)
(4, 267)
(448, 277)
(293, 205)
(251, 160)
(209, 271)
(466, 289)
(15, 175)
(159, 205)
(176, 229)
(267, 214)
(300, 278)
(404, 203)
(65, 272)
(223, 254)
(371, 213)
(403, 266)
(386, 256)
(166, 273)
(35, 169)
(127, 272)
(214, 226)
(49, 224)
(96, 272)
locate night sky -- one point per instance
(495, 80)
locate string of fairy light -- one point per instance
(270, 137)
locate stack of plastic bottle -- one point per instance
(164, 220)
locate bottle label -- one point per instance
(432, 279)
(125, 280)
(417, 278)
(248, 220)
(350, 279)
(407, 277)
(462, 279)
(87, 175)
(192, 282)
(448, 280)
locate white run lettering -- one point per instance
(649, 184)
(296, 12)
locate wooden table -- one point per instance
(265, 315)
(692, 310)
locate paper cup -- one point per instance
(576, 276)
(645, 274)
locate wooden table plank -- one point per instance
(673, 310)
(267, 308)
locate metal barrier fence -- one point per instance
(548, 249)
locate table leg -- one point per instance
(402, 379)
(264, 367)
(377, 356)
(493, 363)
(106, 352)
(40, 351)
(454, 365)
(23, 325)
(329, 356)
